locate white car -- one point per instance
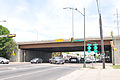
(4, 60)
(89, 60)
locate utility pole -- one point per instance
(117, 27)
(101, 35)
(102, 43)
(117, 21)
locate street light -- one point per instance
(84, 66)
(72, 22)
(84, 29)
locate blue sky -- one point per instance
(36, 20)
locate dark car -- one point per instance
(4, 60)
(36, 60)
(81, 60)
(73, 60)
(56, 60)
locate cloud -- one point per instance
(47, 20)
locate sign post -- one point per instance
(95, 50)
(112, 45)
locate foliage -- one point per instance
(67, 52)
(7, 45)
(116, 66)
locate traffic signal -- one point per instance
(89, 48)
(111, 33)
(72, 39)
(115, 49)
(95, 48)
(11, 35)
(111, 42)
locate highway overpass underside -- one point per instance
(44, 50)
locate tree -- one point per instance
(7, 45)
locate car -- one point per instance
(73, 60)
(36, 60)
(66, 60)
(89, 60)
(81, 60)
(56, 60)
(4, 60)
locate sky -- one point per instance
(37, 20)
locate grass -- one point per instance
(92, 67)
(116, 66)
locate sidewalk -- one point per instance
(94, 74)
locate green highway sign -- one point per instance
(89, 48)
(95, 48)
(78, 40)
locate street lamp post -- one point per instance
(84, 66)
(72, 21)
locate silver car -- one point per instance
(4, 60)
(56, 60)
(36, 60)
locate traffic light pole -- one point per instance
(9, 36)
(113, 51)
(84, 66)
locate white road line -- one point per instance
(18, 68)
(27, 73)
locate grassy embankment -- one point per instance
(116, 66)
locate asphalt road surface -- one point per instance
(29, 71)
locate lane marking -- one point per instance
(28, 73)
(22, 68)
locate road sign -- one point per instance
(59, 40)
(78, 40)
(89, 48)
(95, 48)
(13, 54)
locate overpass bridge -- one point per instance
(44, 49)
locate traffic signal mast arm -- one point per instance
(10, 35)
